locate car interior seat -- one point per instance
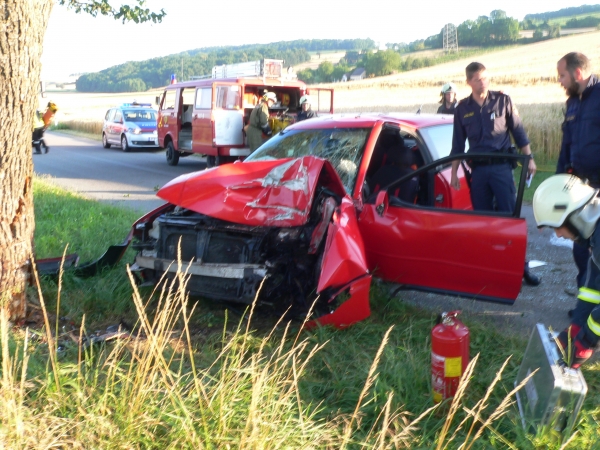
(398, 161)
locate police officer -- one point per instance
(486, 118)
(259, 121)
(580, 148)
(307, 112)
(571, 207)
(448, 100)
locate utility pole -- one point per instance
(450, 38)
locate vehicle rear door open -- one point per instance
(202, 136)
(228, 115)
(322, 100)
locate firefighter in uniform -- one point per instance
(448, 100)
(307, 112)
(487, 118)
(259, 121)
(570, 206)
(580, 148)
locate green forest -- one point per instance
(156, 72)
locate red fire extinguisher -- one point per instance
(449, 355)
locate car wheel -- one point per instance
(105, 143)
(211, 161)
(172, 155)
(124, 144)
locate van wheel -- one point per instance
(172, 155)
(124, 144)
(105, 143)
(211, 161)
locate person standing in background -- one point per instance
(448, 101)
(259, 121)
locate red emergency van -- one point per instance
(208, 115)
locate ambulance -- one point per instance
(207, 115)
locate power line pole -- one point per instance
(450, 38)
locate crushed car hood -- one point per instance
(263, 193)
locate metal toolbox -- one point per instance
(550, 400)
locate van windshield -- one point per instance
(343, 147)
(134, 115)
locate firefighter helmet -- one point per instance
(305, 99)
(270, 96)
(559, 197)
(448, 87)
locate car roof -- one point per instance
(368, 120)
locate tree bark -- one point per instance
(22, 27)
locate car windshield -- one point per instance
(438, 139)
(343, 147)
(144, 115)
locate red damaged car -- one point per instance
(325, 205)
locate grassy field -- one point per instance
(316, 59)
(199, 376)
(563, 20)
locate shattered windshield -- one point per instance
(342, 147)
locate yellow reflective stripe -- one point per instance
(593, 326)
(589, 295)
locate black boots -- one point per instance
(530, 278)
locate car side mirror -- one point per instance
(382, 202)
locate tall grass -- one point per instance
(153, 389)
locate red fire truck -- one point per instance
(207, 116)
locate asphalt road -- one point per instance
(110, 175)
(131, 180)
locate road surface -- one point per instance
(131, 180)
(110, 175)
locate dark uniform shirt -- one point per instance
(487, 127)
(443, 110)
(303, 115)
(580, 146)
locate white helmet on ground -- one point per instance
(305, 99)
(559, 198)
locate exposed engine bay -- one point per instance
(228, 261)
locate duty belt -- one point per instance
(488, 162)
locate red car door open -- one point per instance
(449, 250)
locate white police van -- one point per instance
(130, 125)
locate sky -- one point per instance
(78, 43)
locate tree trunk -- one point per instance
(22, 27)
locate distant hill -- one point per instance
(565, 12)
(156, 72)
